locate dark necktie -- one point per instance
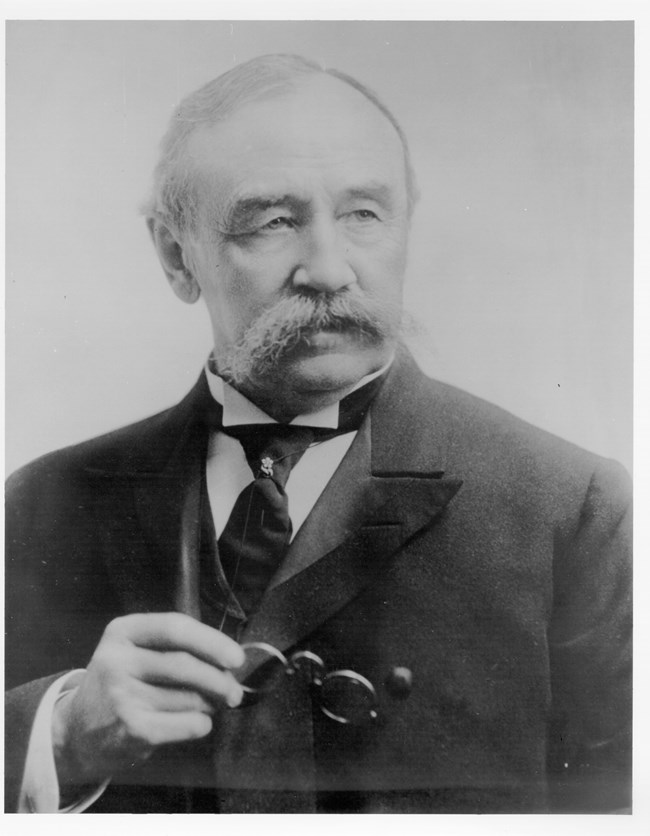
(258, 532)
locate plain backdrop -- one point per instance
(520, 268)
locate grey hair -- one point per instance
(174, 199)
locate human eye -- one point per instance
(364, 215)
(278, 223)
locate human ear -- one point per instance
(173, 261)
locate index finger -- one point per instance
(176, 631)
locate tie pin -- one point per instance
(267, 466)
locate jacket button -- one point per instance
(399, 682)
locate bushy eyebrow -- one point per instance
(246, 208)
(378, 192)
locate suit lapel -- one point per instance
(152, 553)
(389, 486)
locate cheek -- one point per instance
(226, 292)
(245, 291)
(258, 273)
(383, 269)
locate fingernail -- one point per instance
(235, 697)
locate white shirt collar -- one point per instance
(237, 409)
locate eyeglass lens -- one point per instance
(343, 695)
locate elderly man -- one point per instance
(322, 582)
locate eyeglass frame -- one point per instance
(316, 679)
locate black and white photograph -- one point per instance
(319, 399)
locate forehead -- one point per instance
(322, 133)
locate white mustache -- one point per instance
(293, 319)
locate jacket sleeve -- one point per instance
(590, 643)
(22, 702)
(21, 705)
(39, 604)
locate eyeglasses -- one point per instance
(342, 695)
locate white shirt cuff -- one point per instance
(39, 791)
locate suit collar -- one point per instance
(407, 425)
(377, 469)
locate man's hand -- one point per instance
(153, 679)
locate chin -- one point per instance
(330, 372)
(316, 377)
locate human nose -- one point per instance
(324, 264)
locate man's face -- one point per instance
(302, 195)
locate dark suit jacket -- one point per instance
(488, 557)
